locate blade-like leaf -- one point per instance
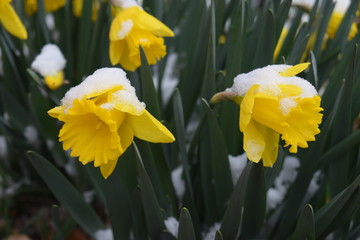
(67, 194)
(305, 228)
(186, 229)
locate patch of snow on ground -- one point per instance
(210, 234)
(276, 194)
(237, 165)
(172, 225)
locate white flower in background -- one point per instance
(50, 64)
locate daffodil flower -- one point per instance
(341, 6)
(11, 21)
(50, 63)
(101, 117)
(50, 5)
(274, 101)
(133, 27)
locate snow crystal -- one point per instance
(126, 27)
(172, 225)
(237, 165)
(286, 104)
(100, 81)
(210, 234)
(124, 3)
(276, 194)
(104, 234)
(50, 61)
(178, 182)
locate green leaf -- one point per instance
(230, 224)
(219, 160)
(305, 228)
(148, 91)
(153, 215)
(186, 229)
(254, 202)
(218, 236)
(332, 214)
(55, 213)
(67, 194)
(273, 172)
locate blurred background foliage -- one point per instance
(45, 194)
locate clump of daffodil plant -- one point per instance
(274, 102)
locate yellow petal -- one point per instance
(30, 6)
(146, 127)
(292, 71)
(55, 81)
(254, 143)
(56, 111)
(107, 169)
(126, 138)
(147, 22)
(53, 5)
(116, 50)
(303, 122)
(91, 133)
(11, 22)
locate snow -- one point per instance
(170, 78)
(126, 27)
(50, 61)
(172, 225)
(210, 234)
(341, 6)
(287, 175)
(99, 82)
(32, 135)
(237, 165)
(286, 104)
(104, 234)
(268, 80)
(124, 3)
(178, 182)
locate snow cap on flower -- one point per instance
(50, 64)
(101, 116)
(274, 101)
(124, 3)
(49, 61)
(100, 81)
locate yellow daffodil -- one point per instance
(101, 117)
(11, 21)
(274, 101)
(78, 5)
(336, 18)
(50, 5)
(133, 27)
(50, 63)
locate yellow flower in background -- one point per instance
(274, 101)
(78, 5)
(50, 64)
(11, 21)
(101, 117)
(50, 5)
(341, 6)
(133, 27)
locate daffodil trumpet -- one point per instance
(274, 102)
(102, 116)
